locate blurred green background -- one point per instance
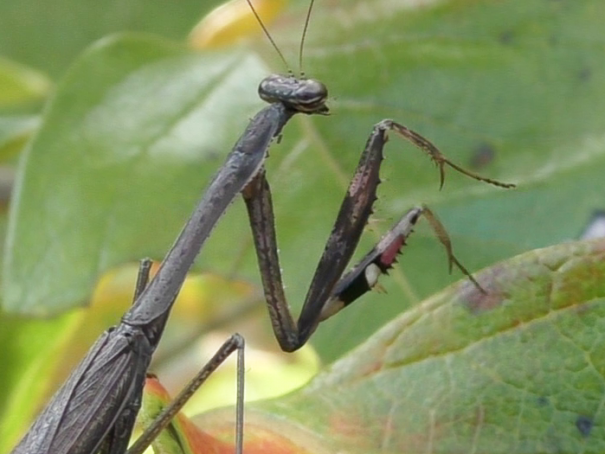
(48, 36)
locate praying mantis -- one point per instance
(95, 409)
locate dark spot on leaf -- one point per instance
(543, 401)
(595, 228)
(477, 301)
(584, 74)
(506, 37)
(483, 154)
(584, 425)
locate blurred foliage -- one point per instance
(50, 35)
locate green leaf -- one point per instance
(135, 122)
(518, 370)
(510, 88)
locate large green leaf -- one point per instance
(513, 88)
(519, 370)
(134, 122)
